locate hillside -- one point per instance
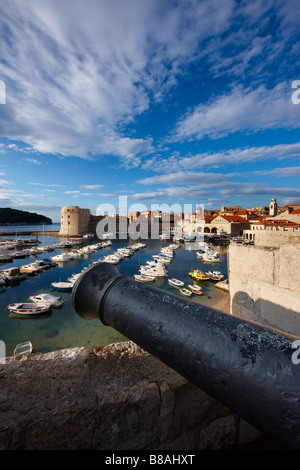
(17, 217)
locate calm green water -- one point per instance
(62, 328)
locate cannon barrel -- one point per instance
(243, 365)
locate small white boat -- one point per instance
(63, 286)
(62, 258)
(176, 282)
(140, 278)
(157, 271)
(215, 275)
(47, 299)
(195, 289)
(23, 348)
(28, 308)
(186, 292)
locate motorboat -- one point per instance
(175, 282)
(29, 269)
(215, 275)
(189, 237)
(28, 308)
(185, 292)
(4, 258)
(156, 271)
(141, 278)
(47, 299)
(13, 275)
(210, 258)
(61, 258)
(195, 289)
(21, 254)
(63, 286)
(198, 275)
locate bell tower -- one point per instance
(273, 208)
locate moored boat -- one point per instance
(198, 275)
(185, 292)
(47, 299)
(175, 282)
(23, 349)
(63, 286)
(195, 289)
(28, 308)
(215, 275)
(140, 278)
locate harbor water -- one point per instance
(61, 328)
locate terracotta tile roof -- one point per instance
(277, 222)
(241, 212)
(231, 218)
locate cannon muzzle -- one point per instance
(244, 365)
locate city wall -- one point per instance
(116, 397)
(265, 282)
(276, 239)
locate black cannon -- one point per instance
(245, 366)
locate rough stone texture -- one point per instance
(265, 285)
(113, 397)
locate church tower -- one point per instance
(273, 208)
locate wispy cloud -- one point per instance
(83, 79)
(233, 156)
(92, 186)
(33, 160)
(240, 110)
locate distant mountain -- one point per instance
(16, 217)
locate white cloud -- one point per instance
(33, 160)
(285, 172)
(92, 186)
(235, 156)
(241, 110)
(186, 177)
(77, 75)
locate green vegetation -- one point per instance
(17, 217)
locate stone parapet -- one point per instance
(115, 397)
(265, 285)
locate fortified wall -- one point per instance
(264, 280)
(116, 397)
(76, 221)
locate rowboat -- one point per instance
(28, 308)
(176, 282)
(186, 292)
(195, 289)
(23, 349)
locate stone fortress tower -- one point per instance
(273, 208)
(74, 221)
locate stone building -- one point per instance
(76, 221)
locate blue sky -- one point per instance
(175, 102)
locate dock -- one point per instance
(223, 285)
(29, 233)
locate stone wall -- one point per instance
(115, 397)
(74, 221)
(265, 285)
(272, 238)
